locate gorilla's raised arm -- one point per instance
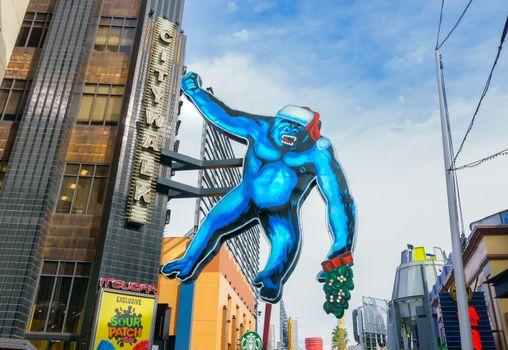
(235, 123)
(341, 207)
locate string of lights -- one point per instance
(484, 93)
(481, 161)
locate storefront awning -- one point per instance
(500, 284)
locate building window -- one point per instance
(60, 297)
(101, 104)
(13, 97)
(83, 189)
(33, 30)
(3, 171)
(115, 34)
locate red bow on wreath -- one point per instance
(345, 259)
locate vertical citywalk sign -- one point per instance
(152, 124)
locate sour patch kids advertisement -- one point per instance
(124, 321)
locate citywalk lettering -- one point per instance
(125, 327)
(150, 135)
(129, 286)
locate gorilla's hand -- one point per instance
(191, 82)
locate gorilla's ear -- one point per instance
(319, 125)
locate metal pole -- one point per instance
(266, 325)
(458, 267)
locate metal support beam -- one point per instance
(179, 162)
(179, 190)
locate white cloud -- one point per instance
(241, 35)
(264, 5)
(235, 38)
(231, 6)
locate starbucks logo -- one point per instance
(251, 341)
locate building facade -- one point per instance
(293, 333)
(370, 324)
(284, 327)
(485, 259)
(222, 307)
(12, 13)
(410, 317)
(78, 89)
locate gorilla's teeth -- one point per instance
(288, 140)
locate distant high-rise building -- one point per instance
(284, 331)
(271, 338)
(370, 324)
(293, 333)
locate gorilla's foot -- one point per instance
(321, 276)
(269, 287)
(180, 269)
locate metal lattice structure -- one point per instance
(216, 146)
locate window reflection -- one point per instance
(76, 303)
(13, 97)
(33, 29)
(115, 34)
(41, 305)
(83, 189)
(3, 171)
(59, 304)
(101, 104)
(60, 298)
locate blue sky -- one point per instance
(368, 67)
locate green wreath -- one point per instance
(338, 286)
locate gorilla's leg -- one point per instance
(224, 221)
(283, 231)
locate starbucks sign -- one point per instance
(251, 341)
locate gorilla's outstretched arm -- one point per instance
(341, 207)
(233, 122)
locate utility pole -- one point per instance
(458, 267)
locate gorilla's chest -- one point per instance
(265, 153)
(274, 177)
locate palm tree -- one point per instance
(339, 338)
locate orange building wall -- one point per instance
(221, 284)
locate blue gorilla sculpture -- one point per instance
(286, 158)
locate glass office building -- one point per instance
(72, 103)
(215, 145)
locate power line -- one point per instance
(440, 22)
(480, 161)
(485, 89)
(438, 46)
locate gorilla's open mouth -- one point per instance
(288, 140)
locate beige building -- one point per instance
(11, 18)
(485, 258)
